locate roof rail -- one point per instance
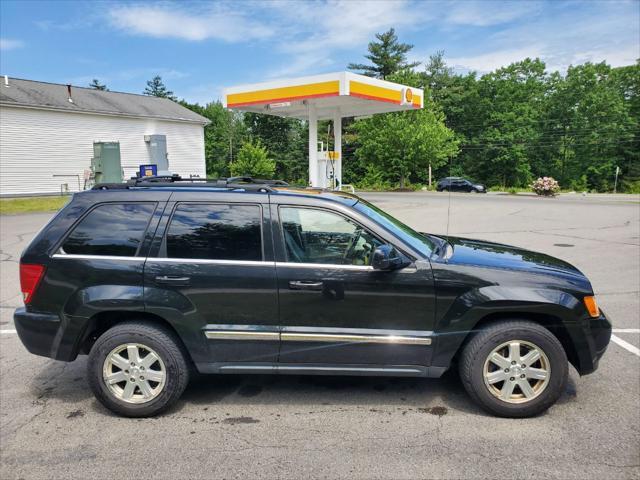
(231, 183)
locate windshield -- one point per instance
(407, 234)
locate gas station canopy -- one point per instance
(331, 96)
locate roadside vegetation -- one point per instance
(11, 206)
(504, 128)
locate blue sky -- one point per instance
(201, 47)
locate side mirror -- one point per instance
(385, 257)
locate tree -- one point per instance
(388, 56)
(591, 112)
(156, 88)
(510, 115)
(404, 144)
(223, 136)
(285, 140)
(253, 160)
(96, 85)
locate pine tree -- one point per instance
(156, 88)
(387, 55)
(96, 85)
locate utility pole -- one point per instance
(615, 183)
(429, 174)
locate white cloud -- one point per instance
(10, 44)
(202, 94)
(308, 36)
(490, 61)
(485, 13)
(325, 27)
(217, 21)
(563, 36)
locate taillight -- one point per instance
(30, 276)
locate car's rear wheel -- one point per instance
(514, 368)
(137, 369)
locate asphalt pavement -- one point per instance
(348, 427)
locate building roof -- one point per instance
(55, 96)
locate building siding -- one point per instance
(37, 144)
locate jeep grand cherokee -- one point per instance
(156, 281)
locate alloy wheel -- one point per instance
(517, 371)
(134, 373)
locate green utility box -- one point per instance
(105, 164)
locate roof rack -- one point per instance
(231, 183)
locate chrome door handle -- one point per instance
(305, 285)
(170, 280)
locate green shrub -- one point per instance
(253, 160)
(373, 179)
(631, 187)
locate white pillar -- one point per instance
(337, 132)
(313, 145)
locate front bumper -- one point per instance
(48, 335)
(591, 340)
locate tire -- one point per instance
(170, 372)
(478, 372)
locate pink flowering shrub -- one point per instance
(545, 186)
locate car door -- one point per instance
(335, 309)
(214, 276)
(457, 185)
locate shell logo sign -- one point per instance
(407, 96)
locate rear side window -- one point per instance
(110, 229)
(215, 232)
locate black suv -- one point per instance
(459, 184)
(158, 281)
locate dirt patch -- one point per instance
(438, 410)
(237, 420)
(75, 414)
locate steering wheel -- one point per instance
(352, 244)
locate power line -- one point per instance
(481, 146)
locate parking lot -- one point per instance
(351, 427)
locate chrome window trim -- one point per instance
(258, 263)
(97, 257)
(332, 266)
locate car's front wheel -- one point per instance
(514, 368)
(137, 369)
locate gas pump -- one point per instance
(328, 163)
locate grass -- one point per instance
(12, 206)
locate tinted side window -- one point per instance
(318, 236)
(215, 232)
(110, 229)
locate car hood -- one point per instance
(496, 255)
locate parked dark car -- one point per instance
(459, 184)
(158, 281)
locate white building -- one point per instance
(47, 132)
